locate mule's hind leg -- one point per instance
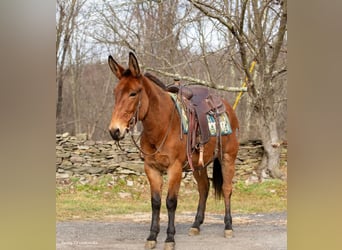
(228, 169)
(156, 183)
(201, 177)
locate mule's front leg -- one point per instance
(171, 204)
(175, 177)
(156, 184)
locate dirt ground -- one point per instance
(128, 232)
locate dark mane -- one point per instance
(127, 72)
(155, 80)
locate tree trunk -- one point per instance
(75, 107)
(270, 163)
(59, 99)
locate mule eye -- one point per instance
(132, 94)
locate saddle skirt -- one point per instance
(225, 127)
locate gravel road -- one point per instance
(252, 231)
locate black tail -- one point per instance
(217, 179)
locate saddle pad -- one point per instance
(223, 119)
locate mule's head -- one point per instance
(128, 97)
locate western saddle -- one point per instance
(199, 102)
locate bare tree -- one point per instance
(164, 34)
(66, 14)
(259, 29)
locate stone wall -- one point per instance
(76, 155)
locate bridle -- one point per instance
(133, 121)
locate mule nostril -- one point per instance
(115, 133)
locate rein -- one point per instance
(133, 122)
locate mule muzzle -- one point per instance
(117, 134)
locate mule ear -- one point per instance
(133, 65)
(115, 67)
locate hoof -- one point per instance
(169, 246)
(150, 244)
(194, 231)
(228, 234)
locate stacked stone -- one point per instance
(283, 155)
(77, 155)
(248, 159)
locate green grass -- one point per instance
(269, 196)
(101, 199)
